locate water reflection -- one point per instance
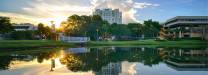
(112, 60)
(110, 69)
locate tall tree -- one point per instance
(119, 30)
(152, 28)
(72, 25)
(44, 31)
(92, 26)
(41, 31)
(136, 29)
(5, 25)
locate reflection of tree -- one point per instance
(150, 57)
(73, 63)
(40, 58)
(46, 56)
(5, 62)
(99, 57)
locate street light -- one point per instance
(97, 34)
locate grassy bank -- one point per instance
(47, 43)
(149, 42)
(31, 43)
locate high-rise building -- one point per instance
(112, 16)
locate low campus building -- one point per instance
(188, 26)
(24, 27)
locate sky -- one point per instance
(36, 11)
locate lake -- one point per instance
(110, 60)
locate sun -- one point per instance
(57, 21)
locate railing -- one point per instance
(74, 39)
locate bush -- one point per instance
(22, 35)
(193, 38)
(187, 38)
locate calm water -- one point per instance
(106, 61)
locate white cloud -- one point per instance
(143, 5)
(57, 8)
(40, 9)
(19, 18)
(129, 8)
(128, 68)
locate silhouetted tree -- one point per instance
(5, 25)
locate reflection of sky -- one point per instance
(128, 68)
(133, 68)
(35, 68)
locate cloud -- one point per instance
(143, 5)
(129, 68)
(19, 18)
(129, 8)
(57, 8)
(44, 9)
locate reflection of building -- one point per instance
(77, 50)
(22, 57)
(188, 26)
(110, 69)
(24, 27)
(188, 60)
(112, 16)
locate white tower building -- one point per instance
(112, 16)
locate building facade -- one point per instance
(188, 26)
(24, 27)
(112, 16)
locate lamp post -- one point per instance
(97, 34)
(54, 37)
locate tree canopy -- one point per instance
(5, 25)
(94, 26)
(44, 31)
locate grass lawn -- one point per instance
(150, 42)
(48, 43)
(31, 43)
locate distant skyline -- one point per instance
(35, 11)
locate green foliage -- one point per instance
(136, 29)
(94, 27)
(44, 32)
(5, 25)
(151, 28)
(22, 35)
(120, 30)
